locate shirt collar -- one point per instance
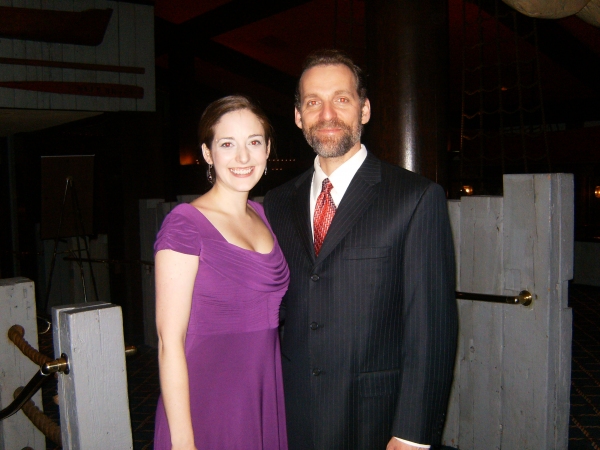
(340, 178)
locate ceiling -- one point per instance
(264, 43)
(259, 47)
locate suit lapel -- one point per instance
(358, 197)
(301, 212)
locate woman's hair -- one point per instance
(217, 109)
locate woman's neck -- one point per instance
(226, 201)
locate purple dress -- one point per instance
(232, 343)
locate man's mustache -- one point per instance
(329, 124)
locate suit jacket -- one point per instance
(370, 325)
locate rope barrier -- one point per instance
(15, 334)
(23, 395)
(40, 420)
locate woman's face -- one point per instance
(239, 151)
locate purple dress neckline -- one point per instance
(251, 203)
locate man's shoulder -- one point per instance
(394, 175)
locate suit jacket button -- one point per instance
(316, 372)
(314, 277)
(314, 326)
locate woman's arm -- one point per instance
(175, 274)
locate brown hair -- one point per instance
(217, 109)
(332, 57)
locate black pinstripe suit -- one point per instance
(370, 325)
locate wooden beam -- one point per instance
(167, 37)
(72, 65)
(247, 67)
(67, 27)
(77, 88)
(233, 15)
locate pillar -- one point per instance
(407, 62)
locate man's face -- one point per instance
(331, 115)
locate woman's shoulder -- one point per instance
(180, 230)
(183, 209)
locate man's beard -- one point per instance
(333, 146)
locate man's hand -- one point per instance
(395, 444)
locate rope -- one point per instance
(15, 334)
(41, 421)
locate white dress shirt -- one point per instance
(340, 179)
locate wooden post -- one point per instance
(512, 378)
(94, 409)
(17, 307)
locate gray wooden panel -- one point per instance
(7, 71)
(564, 341)
(526, 373)
(454, 207)
(17, 307)
(481, 262)
(128, 41)
(62, 277)
(535, 378)
(162, 210)
(94, 402)
(23, 99)
(513, 376)
(451, 430)
(85, 54)
(560, 210)
(144, 56)
(127, 50)
(98, 249)
(149, 226)
(54, 52)
(68, 54)
(566, 226)
(33, 50)
(108, 53)
(186, 198)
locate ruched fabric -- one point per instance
(232, 343)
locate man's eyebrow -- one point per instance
(339, 92)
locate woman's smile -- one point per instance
(242, 171)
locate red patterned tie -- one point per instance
(324, 212)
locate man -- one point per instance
(370, 317)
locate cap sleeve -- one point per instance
(179, 233)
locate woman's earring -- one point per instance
(265, 170)
(209, 174)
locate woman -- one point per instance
(220, 277)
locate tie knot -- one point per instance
(327, 186)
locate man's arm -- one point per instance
(429, 322)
